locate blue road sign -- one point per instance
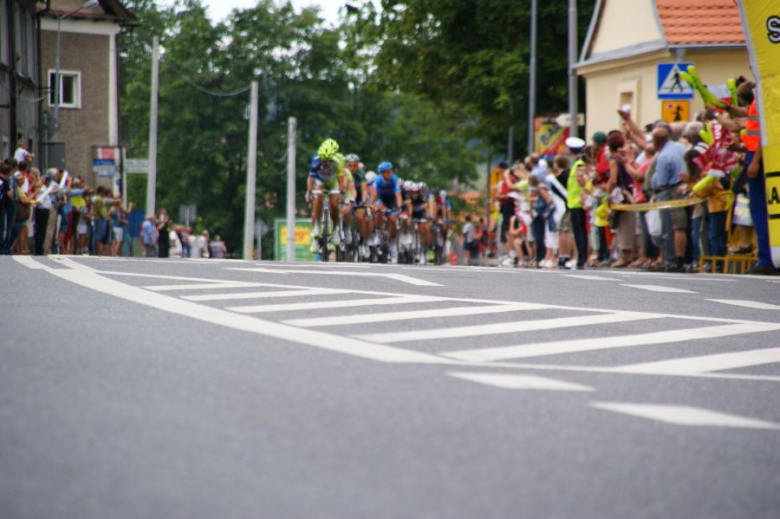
(670, 84)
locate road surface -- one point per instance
(199, 388)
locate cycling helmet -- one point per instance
(370, 177)
(422, 186)
(328, 149)
(384, 166)
(352, 157)
(408, 186)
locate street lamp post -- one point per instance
(57, 79)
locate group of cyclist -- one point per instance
(374, 214)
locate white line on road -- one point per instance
(253, 309)
(589, 278)
(398, 277)
(30, 263)
(264, 295)
(414, 314)
(87, 277)
(199, 286)
(500, 328)
(706, 363)
(509, 381)
(603, 343)
(747, 304)
(685, 415)
(658, 288)
(310, 265)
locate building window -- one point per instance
(69, 87)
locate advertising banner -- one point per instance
(761, 23)
(302, 239)
(550, 139)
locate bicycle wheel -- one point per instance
(324, 253)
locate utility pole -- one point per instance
(251, 175)
(151, 183)
(532, 78)
(573, 109)
(510, 145)
(291, 142)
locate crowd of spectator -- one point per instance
(53, 212)
(574, 211)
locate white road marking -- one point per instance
(253, 309)
(706, 363)
(659, 288)
(500, 328)
(509, 381)
(685, 415)
(414, 314)
(602, 343)
(318, 265)
(264, 295)
(30, 263)
(89, 278)
(398, 277)
(589, 278)
(747, 304)
(199, 286)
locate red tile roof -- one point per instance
(688, 22)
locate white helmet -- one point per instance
(370, 177)
(408, 185)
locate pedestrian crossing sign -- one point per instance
(670, 85)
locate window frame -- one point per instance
(76, 105)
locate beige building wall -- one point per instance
(625, 23)
(634, 81)
(94, 122)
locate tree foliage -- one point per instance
(425, 84)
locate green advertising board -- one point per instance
(302, 239)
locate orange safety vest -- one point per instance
(752, 135)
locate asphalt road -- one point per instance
(203, 389)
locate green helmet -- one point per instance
(328, 149)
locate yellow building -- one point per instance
(628, 39)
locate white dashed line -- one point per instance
(602, 343)
(685, 415)
(508, 381)
(658, 288)
(707, 363)
(746, 304)
(500, 328)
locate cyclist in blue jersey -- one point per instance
(326, 174)
(386, 195)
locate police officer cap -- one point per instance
(575, 144)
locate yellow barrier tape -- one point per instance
(668, 204)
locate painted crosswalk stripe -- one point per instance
(397, 277)
(510, 381)
(589, 278)
(685, 415)
(414, 314)
(500, 328)
(659, 288)
(265, 295)
(91, 279)
(256, 309)
(747, 304)
(706, 363)
(198, 286)
(602, 343)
